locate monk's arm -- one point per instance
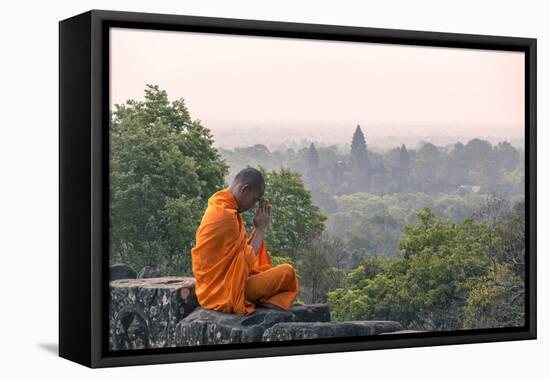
(257, 239)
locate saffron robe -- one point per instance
(223, 260)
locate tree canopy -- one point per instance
(163, 168)
(449, 276)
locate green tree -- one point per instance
(427, 287)
(163, 169)
(450, 276)
(320, 267)
(498, 299)
(296, 221)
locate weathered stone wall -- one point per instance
(207, 327)
(164, 312)
(144, 312)
(316, 330)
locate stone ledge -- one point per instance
(143, 313)
(164, 312)
(302, 331)
(121, 271)
(208, 327)
(315, 312)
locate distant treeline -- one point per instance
(476, 165)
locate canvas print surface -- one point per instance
(269, 189)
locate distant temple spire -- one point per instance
(358, 156)
(404, 170)
(359, 161)
(312, 162)
(404, 160)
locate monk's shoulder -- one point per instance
(220, 220)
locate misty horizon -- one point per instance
(242, 87)
(279, 138)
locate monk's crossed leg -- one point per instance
(278, 286)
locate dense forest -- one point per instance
(432, 236)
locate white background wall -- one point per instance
(29, 187)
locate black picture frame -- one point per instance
(83, 185)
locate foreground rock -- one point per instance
(207, 327)
(144, 312)
(148, 272)
(121, 272)
(164, 312)
(316, 330)
(316, 312)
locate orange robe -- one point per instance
(224, 263)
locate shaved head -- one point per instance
(253, 178)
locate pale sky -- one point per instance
(231, 82)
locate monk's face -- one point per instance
(247, 198)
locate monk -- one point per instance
(233, 271)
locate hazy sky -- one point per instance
(240, 81)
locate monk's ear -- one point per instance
(245, 188)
